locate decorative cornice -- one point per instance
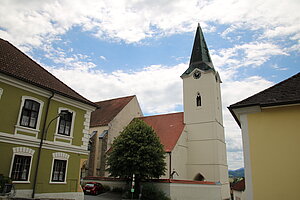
(34, 142)
(23, 150)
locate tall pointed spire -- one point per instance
(200, 57)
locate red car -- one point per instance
(92, 188)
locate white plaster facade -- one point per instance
(122, 119)
(204, 127)
(178, 158)
(239, 195)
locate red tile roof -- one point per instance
(239, 186)
(168, 127)
(107, 110)
(16, 64)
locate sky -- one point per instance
(106, 49)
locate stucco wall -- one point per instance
(13, 136)
(274, 153)
(239, 195)
(179, 157)
(123, 118)
(180, 191)
(209, 90)
(205, 131)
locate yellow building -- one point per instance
(270, 129)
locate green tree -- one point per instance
(137, 150)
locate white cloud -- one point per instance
(103, 58)
(258, 53)
(253, 54)
(37, 22)
(157, 87)
(275, 66)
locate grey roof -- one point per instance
(285, 92)
(200, 57)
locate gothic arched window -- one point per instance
(198, 100)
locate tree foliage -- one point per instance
(137, 150)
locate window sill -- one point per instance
(20, 182)
(63, 139)
(63, 136)
(32, 131)
(57, 182)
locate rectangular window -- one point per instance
(59, 170)
(65, 123)
(29, 114)
(20, 168)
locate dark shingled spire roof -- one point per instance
(200, 57)
(16, 64)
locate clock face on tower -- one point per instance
(197, 74)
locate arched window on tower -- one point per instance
(198, 100)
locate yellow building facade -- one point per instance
(269, 122)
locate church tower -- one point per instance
(203, 118)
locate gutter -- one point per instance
(234, 116)
(40, 147)
(170, 164)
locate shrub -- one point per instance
(3, 180)
(117, 189)
(150, 192)
(106, 188)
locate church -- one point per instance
(193, 140)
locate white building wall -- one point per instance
(124, 117)
(239, 195)
(178, 159)
(204, 124)
(181, 191)
(209, 90)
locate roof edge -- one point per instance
(159, 115)
(52, 90)
(115, 98)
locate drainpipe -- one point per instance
(170, 165)
(40, 147)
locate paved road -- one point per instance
(104, 196)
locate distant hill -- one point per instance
(237, 173)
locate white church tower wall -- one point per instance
(203, 118)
